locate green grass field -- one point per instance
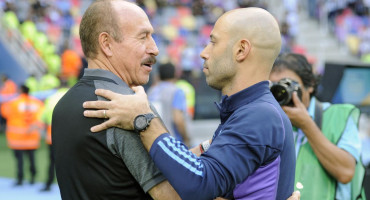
(8, 163)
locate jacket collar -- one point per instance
(229, 104)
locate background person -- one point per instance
(326, 156)
(8, 90)
(170, 102)
(46, 117)
(188, 88)
(23, 128)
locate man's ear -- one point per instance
(243, 49)
(105, 44)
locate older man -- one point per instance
(252, 150)
(116, 37)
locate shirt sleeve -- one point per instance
(179, 100)
(350, 140)
(233, 155)
(128, 146)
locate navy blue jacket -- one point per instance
(251, 155)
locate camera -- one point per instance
(283, 91)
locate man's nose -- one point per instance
(152, 48)
(204, 55)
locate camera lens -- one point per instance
(283, 91)
(280, 94)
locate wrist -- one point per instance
(149, 135)
(204, 146)
(307, 124)
(142, 121)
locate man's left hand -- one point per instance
(120, 110)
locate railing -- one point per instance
(23, 52)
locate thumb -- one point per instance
(138, 89)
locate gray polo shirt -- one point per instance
(111, 164)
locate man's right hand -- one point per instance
(298, 113)
(120, 110)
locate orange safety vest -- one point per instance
(23, 122)
(8, 88)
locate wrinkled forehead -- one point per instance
(131, 17)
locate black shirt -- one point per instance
(111, 164)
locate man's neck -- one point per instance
(239, 85)
(97, 64)
(103, 63)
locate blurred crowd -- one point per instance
(348, 21)
(182, 26)
(182, 29)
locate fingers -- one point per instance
(96, 113)
(105, 93)
(138, 89)
(295, 196)
(102, 105)
(105, 113)
(101, 127)
(297, 102)
(287, 109)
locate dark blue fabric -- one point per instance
(254, 131)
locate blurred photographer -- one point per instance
(326, 135)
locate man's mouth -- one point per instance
(149, 61)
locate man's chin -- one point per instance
(213, 85)
(145, 82)
(140, 82)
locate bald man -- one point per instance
(116, 38)
(251, 155)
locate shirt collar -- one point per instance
(104, 73)
(228, 104)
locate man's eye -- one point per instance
(142, 37)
